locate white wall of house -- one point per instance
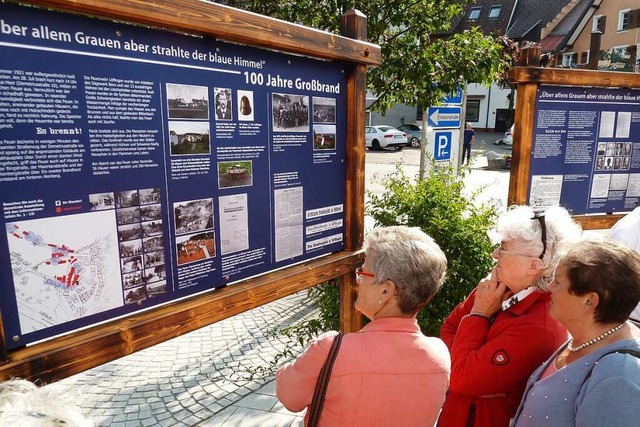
(395, 116)
(489, 98)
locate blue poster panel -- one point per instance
(138, 166)
(586, 149)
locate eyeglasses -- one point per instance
(553, 283)
(502, 251)
(360, 275)
(543, 226)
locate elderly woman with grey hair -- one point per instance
(388, 373)
(594, 378)
(502, 331)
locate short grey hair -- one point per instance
(22, 403)
(411, 259)
(518, 225)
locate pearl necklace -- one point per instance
(593, 341)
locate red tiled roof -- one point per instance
(550, 43)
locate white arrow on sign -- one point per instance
(436, 117)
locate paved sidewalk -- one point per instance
(203, 378)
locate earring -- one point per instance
(380, 302)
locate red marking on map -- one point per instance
(59, 255)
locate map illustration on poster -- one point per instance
(138, 166)
(586, 149)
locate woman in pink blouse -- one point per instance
(388, 373)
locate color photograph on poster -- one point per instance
(235, 174)
(189, 138)
(245, 106)
(195, 247)
(324, 137)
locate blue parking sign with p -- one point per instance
(442, 147)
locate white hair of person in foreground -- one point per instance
(24, 404)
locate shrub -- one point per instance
(438, 206)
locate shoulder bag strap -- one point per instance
(323, 381)
(634, 353)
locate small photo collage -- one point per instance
(613, 156)
(195, 238)
(140, 240)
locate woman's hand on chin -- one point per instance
(489, 296)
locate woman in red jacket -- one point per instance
(502, 332)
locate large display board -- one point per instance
(138, 166)
(586, 149)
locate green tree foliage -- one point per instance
(438, 206)
(419, 64)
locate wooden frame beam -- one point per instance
(226, 23)
(78, 351)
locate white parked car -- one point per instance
(382, 136)
(507, 139)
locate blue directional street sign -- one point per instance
(442, 147)
(444, 117)
(455, 98)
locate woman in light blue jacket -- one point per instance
(594, 379)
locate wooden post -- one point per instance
(530, 56)
(354, 25)
(594, 50)
(520, 152)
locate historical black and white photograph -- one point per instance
(131, 280)
(324, 110)
(324, 137)
(127, 199)
(188, 102)
(608, 163)
(133, 263)
(290, 112)
(153, 259)
(152, 244)
(626, 162)
(101, 201)
(135, 295)
(627, 148)
(151, 228)
(154, 274)
(150, 212)
(189, 138)
(611, 148)
(129, 232)
(157, 288)
(130, 248)
(193, 215)
(149, 196)
(128, 215)
(245, 105)
(224, 109)
(235, 174)
(599, 163)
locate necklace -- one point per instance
(593, 341)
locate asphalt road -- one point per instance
(495, 183)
